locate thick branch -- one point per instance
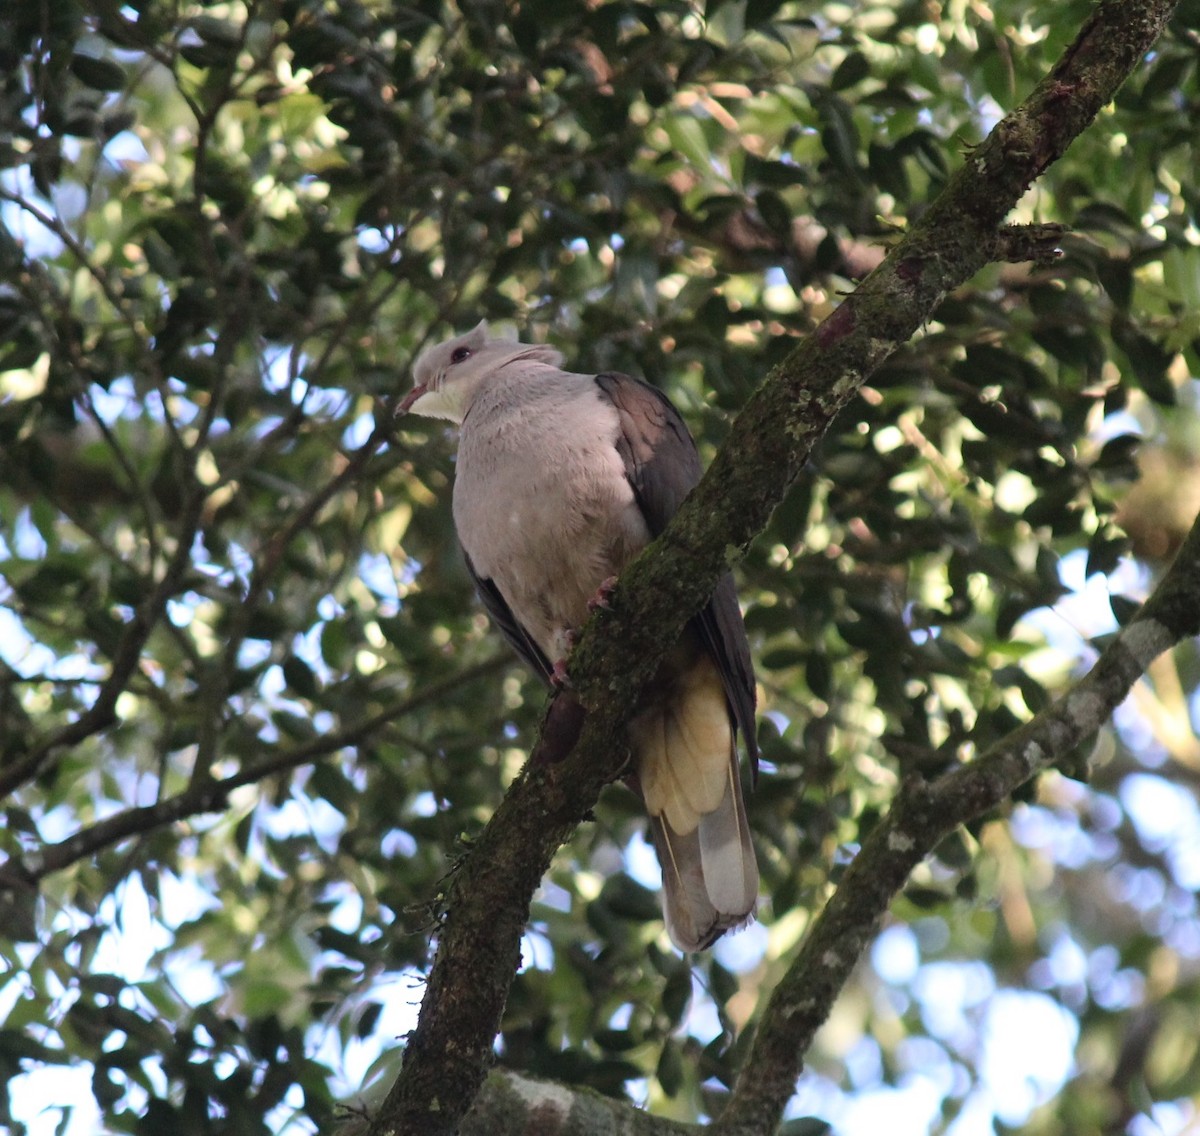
(512, 1104)
(449, 1052)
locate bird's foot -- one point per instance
(603, 594)
(559, 678)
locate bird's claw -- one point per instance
(603, 594)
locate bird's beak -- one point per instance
(407, 402)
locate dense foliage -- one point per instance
(250, 714)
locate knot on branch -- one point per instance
(1016, 244)
(560, 731)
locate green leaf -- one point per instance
(617, 1041)
(1123, 608)
(839, 135)
(628, 899)
(784, 657)
(670, 1069)
(1149, 361)
(677, 994)
(760, 11)
(688, 137)
(300, 677)
(99, 74)
(853, 69)
(805, 1126)
(1105, 550)
(1118, 456)
(774, 212)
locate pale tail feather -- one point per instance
(710, 877)
(686, 761)
(692, 921)
(726, 854)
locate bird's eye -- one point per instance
(459, 354)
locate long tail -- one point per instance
(685, 755)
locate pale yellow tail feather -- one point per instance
(686, 762)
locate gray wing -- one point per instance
(662, 465)
(502, 617)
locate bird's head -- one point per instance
(447, 377)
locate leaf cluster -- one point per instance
(243, 687)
